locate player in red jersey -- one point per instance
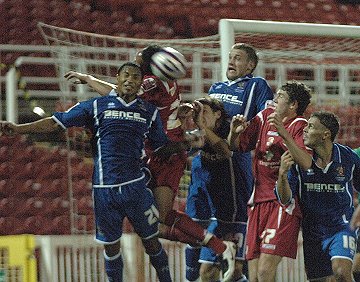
(272, 231)
(175, 225)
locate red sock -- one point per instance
(175, 234)
(184, 223)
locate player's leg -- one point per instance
(143, 215)
(267, 266)
(113, 262)
(356, 263)
(342, 249)
(108, 222)
(198, 208)
(158, 258)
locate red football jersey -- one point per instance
(165, 95)
(269, 147)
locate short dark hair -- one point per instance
(299, 92)
(329, 120)
(250, 51)
(147, 53)
(129, 64)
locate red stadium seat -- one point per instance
(5, 153)
(85, 205)
(7, 206)
(59, 225)
(82, 187)
(58, 206)
(9, 225)
(34, 225)
(32, 206)
(6, 170)
(6, 188)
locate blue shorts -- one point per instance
(319, 252)
(230, 231)
(133, 200)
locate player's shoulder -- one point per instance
(346, 150)
(218, 85)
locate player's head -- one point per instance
(325, 124)
(242, 61)
(296, 94)
(129, 78)
(143, 57)
(214, 112)
(185, 115)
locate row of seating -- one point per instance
(160, 19)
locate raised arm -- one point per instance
(45, 125)
(283, 190)
(300, 156)
(237, 126)
(100, 86)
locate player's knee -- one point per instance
(112, 250)
(266, 273)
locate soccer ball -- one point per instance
(168, 64)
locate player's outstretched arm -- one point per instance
(45, 125)
(300, 156)
(283, 188)
(100, 86)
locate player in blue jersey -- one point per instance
(119, 123)
(214, 177)
(241, 94)
(325, 195)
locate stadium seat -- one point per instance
(5, 153)
(32, 206)
(9, 225)
(6, 188)
(52, 188)
(85, 205)
(7, 206)
(84, 223)
(58, 225)
(6, 170)
(82, 187)
(34, 225)
(57, 206)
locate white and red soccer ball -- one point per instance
(168, 64)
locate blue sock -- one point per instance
(192, 255)
(114, 267)
(160, 262)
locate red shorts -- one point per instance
(169, 172)
(272, 231)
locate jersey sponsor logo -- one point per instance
(324, 187)
(228, 98)
(113, 114)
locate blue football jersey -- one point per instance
(326, 195)
(119, 130)
(245, 96)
